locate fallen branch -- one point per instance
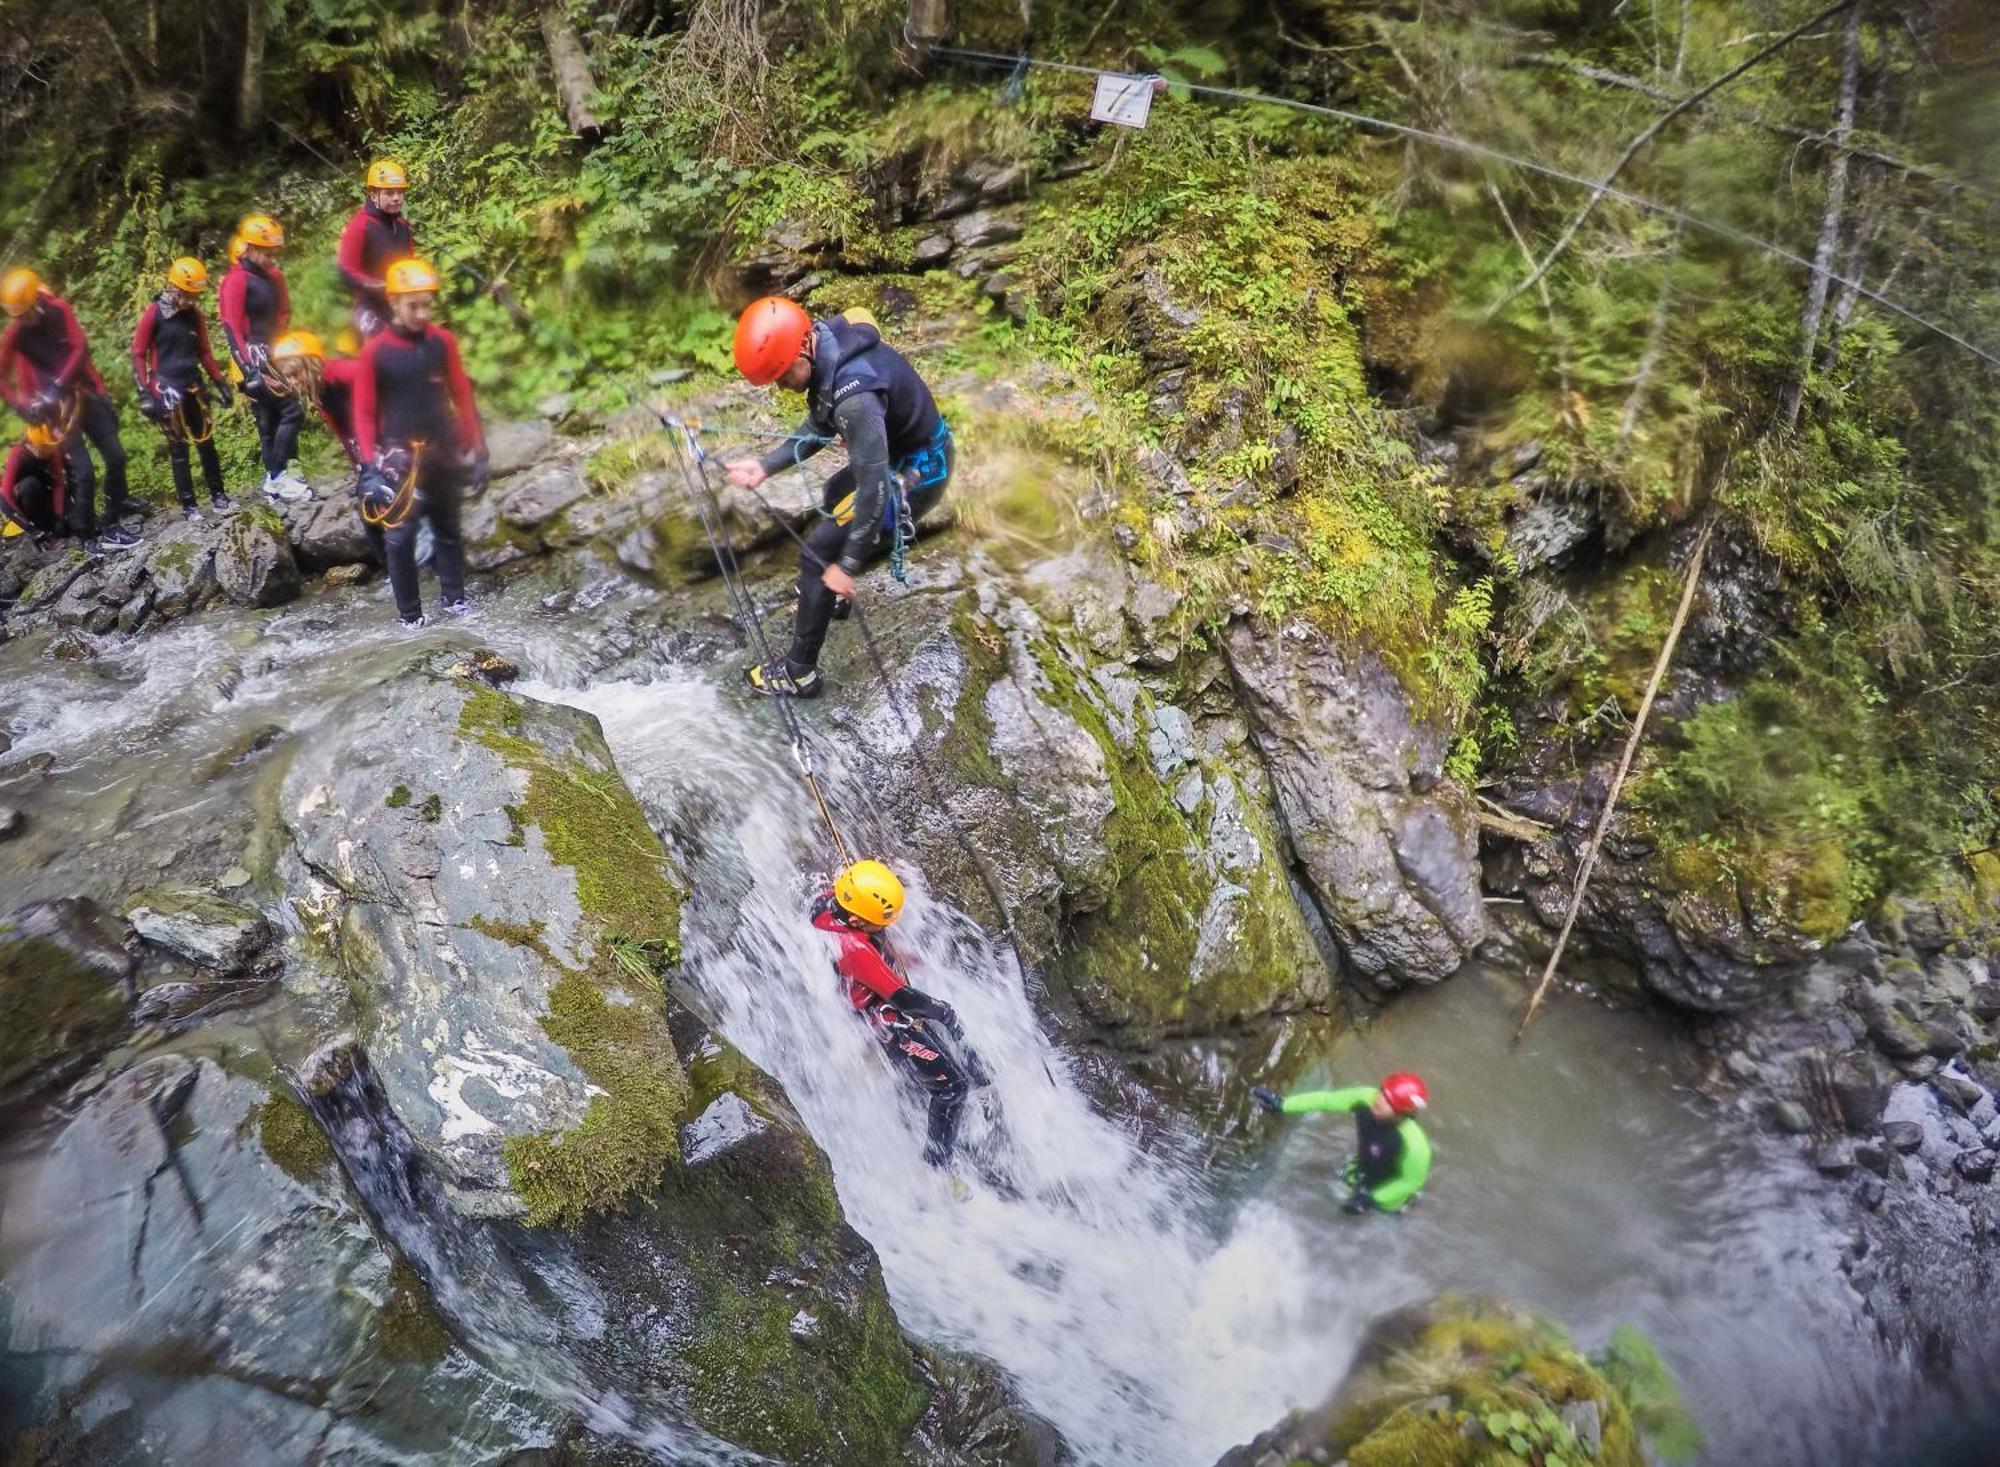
(1589, 864)
(574, 83)
(1653, 130)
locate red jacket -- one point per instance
(862, 961)
(45, 352)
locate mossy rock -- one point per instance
(62, 990)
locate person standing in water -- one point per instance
(1392, 1156)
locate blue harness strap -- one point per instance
(927, 468)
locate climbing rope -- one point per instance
(176, 427)
(1482, 150)
(404, 502)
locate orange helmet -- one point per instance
(262, 231)
(42, 440)
(386, 173)
(410, 277)
(188, 274)
(19, 290)
(297, 345)
(770, 334)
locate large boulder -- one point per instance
(253, 559)
(190, 1281)
(1388, 847)
(535, 496)
(328, 532)
(180, 564)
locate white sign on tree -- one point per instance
(1125, 100)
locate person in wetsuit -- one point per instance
(170, 352)
(255, 305)
(46, 376)
(34, 486)
(421, 447)
(375, 238)
(1392, 1156)
(865, 901)
(861, 392)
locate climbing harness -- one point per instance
(1599, 187)
(403, 503)
(175, 424)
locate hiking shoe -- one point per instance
(218, 500)
(190, 514)
(777, 680)
(411, 623)
(114, 537)
(460, 607)
(285, 489)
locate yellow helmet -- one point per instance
(236, 246)
(387, 173)
(410, 277)
(42, 440)
(18, 290)
(262, 231)
(188, 274)
(869, 890)
(296, 345)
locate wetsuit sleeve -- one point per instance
(1410, 1174)
(142, 347)
(461, 394)
(208, 362)
(1351, 1098)
(9, 474)
(861, 963)
(353, 249)
(364, 404)
(795, 450)
(865, 426)
(920, 1005)
(79, 346)
(235, 323)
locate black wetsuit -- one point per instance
(862, 392)
(170, 350)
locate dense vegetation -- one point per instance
(1351, 288)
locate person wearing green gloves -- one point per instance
(1392, 1157)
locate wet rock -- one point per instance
(253, 561)
(984, 227)
(728, 1122)
(1834, 1157)
(70, 646)
(1871, 1192)
(1396, 873)
(1903, 1136)
(1897, 1036)
(328, 534)
(1960, 1092)
(1790, 1117)
(539, 494)
(1548, 532)
(63, 978)
(47, 585)
(511, 447)
(1741, 1068)
(1943, 1041)
(201, 928)
(555, 405)
(177, 1000)
(486, 666)
(1984, 1001)
(358, 573)
(932, 251)
(1976, 1165)
(1585, 1420)
(1873, 1156)
(12, 821)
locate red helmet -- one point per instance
(770, 334)
(1405, 1093)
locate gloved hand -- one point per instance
(1268, 1098)
(1358, 1204)
(150, 405)
(223, 396)
(170, 397)
(375, 490)
(42, 409)
(482, 473)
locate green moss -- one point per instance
(432, 809)
(293, 1139)
(614, 468)
(408, 1327)
(51, 1005)
(398, 797)
(176, 557)
(514, 934)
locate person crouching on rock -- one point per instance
(866, 899)
(899, 460)
(1392, 1156)
(417, 432)
(34, 487)
(170, 352)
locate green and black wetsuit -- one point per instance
(1392, 1158)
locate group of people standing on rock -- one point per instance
(402, 407)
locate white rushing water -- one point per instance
(1080, 1262)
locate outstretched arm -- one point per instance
(1409, 1178)
(804, 442)
(1349, 1098)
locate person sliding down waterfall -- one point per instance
(865, 901)
(899, 460)
(1393, 1156)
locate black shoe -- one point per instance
(411, 623)
(460, 607)
(190, 514)
(218, 500)
(112, 537)
(843, 607)
(777, 680)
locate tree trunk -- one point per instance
(929, 20)
(250, 91)
(1655, 348)
(574, 84)
(1789, 401)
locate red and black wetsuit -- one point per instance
(170, 351)
(369, 245)
(336, 401)
(34, 491)
(256, 309)
(44, 354)
(411, 395)
(877, 991)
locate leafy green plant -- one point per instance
(1641, 1378)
